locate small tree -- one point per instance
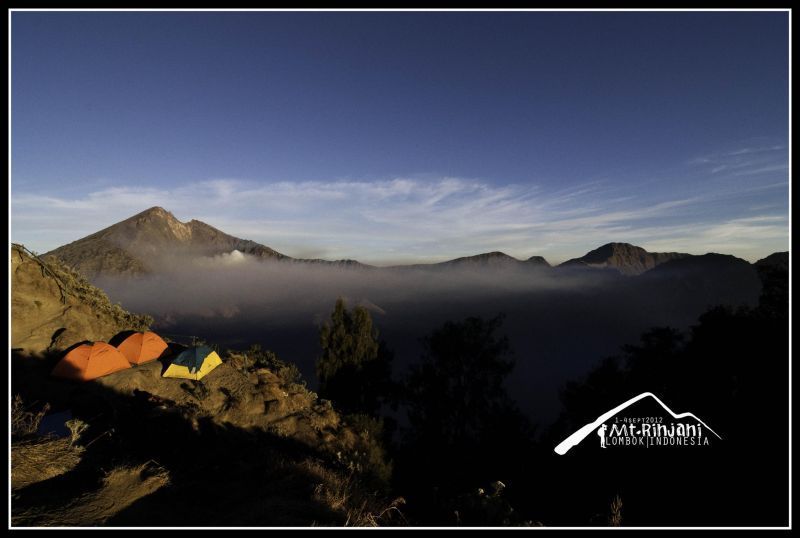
(458, 385)
(354, 368)
(464, 427)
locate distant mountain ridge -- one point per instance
(487, 260)
(132, 246)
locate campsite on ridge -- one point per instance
(426, 268)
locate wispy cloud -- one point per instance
(758, 149)
(407, 220)
(763, 170)
(745, 161)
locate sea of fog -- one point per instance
(559, 322)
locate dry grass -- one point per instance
(24, 422)
(77, 428)
(118, 489)
(35, 458)
(344, 494)
(615, 517)
(41, 459)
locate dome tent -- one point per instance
(90, 361)
(142, 347)
(193, 363)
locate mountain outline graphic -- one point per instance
(564, 446)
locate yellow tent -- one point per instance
(193, 363)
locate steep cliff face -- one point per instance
(53, 307)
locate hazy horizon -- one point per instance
(301, 253)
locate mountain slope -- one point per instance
(707, 279)
(778, 261)
(132, 246)
(774, 274)
(626, 258)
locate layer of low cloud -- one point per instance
(212, 286)
(558, 321)
(410, 220)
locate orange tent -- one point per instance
(90, 361)
(139, 348)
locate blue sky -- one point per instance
(405, 137)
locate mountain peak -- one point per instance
(133, 245)
(626, 258)
(538, 260)
(155, 211)
(614, 247)
(486, 257)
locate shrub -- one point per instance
(369, 457)
(25, 422)
(288, 372)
